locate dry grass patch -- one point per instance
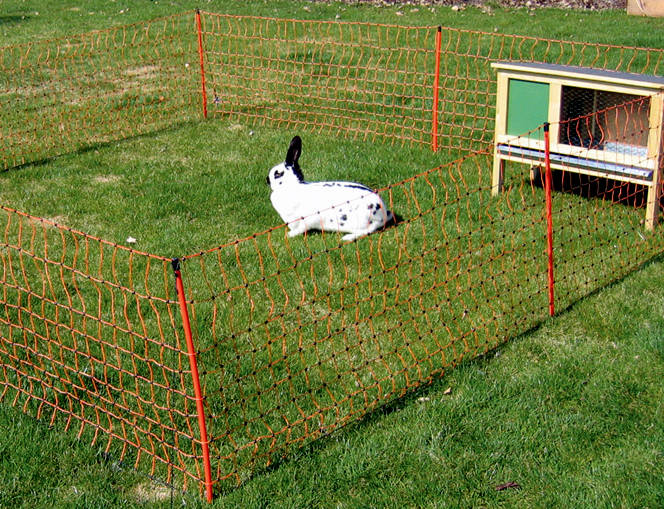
(151, 491)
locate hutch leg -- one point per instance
(497, 175)
(652, 208)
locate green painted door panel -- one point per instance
(527, 107)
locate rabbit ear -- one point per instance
(294, 151)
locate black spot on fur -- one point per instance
(346, 185)
(344, 217)
(357, 186)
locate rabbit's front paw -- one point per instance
(352, 236)
(297, 229)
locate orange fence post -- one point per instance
(436, 81)
(198, 395)
(202, 61)
(549, 215)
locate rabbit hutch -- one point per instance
(602, 123)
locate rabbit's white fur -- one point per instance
(330, 206)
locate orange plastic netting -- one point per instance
(92, 340)
(291, 338)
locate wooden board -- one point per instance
(645, 7)
(617, 81)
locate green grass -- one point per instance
(570, 415)
(187, 182)
(39, 19)
(572, 412)
(569, 411)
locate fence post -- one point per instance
(198, 395)
(202, 61)
(436, 81)
(549, 215)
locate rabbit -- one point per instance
(327, 206)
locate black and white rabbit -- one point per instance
(330, 206)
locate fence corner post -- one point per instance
(201, 58)
(436, 83)
(549, 216)
(193, 365)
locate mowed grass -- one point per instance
(526, 413)
(569, 412)
(194, 187)
(30, 20)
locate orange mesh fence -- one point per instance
(607, 187)
(61, 95)
(373, 81)
(467, 85)
(297, 337)
(363, 80)
(92, 339)
(233, 356)
(616, 175)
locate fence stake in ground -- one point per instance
(549, 215)
(436, 78)
(202, 61)
(198, 395)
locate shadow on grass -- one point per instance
(86, 148)
(591, 187)
(435, 385)
(13, 19)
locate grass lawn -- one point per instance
(569, 412)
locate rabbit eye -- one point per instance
(278, 174)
